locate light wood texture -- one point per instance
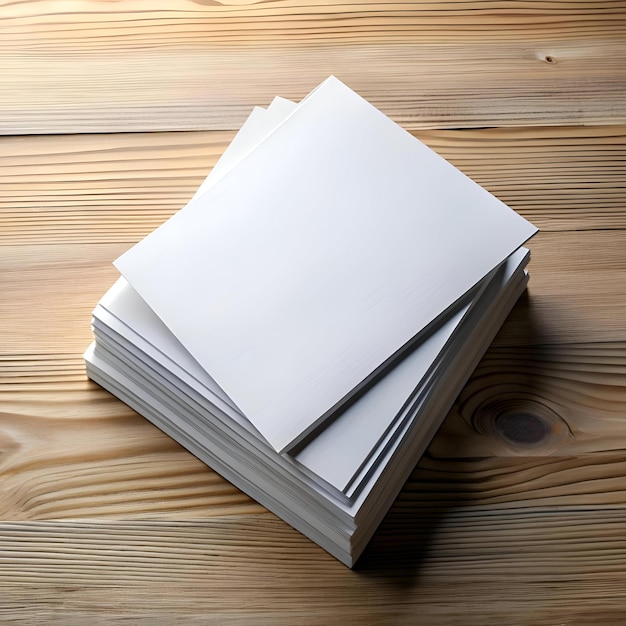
(516, 513)
(92, 66)
(448, 568)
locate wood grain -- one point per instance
(449, 567)
(89, 66)
(553, 400)
(516, 513)
(70, 450)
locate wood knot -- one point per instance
(521, 428)
(523, 425)
(549, 59)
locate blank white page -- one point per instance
(343, 447)
(256, 127)
(319, 256)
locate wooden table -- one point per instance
(517, 513)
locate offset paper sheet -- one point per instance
(351, 443)
(317, 258)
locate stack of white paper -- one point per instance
(304, 324)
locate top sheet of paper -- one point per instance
(314, 260)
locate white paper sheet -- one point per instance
(311, 263)
(348, 445)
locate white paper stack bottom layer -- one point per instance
(304, 324)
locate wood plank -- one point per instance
(191, 66)
(450, 567)
(99, 188)
(118, 188)
(573, 296)
(48, 293)
(553, 400)
(71, 450)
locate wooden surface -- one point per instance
(516, 514)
